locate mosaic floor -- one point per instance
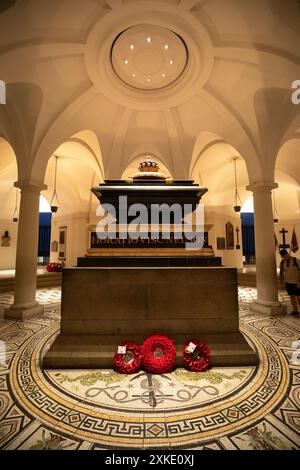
(224, 408)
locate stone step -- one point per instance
(43, 280)
(97, 351)
(249, 280)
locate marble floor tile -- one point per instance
(222, 408)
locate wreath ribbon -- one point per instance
(197, 358)
(124, 367)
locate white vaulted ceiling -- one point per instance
(221, 86)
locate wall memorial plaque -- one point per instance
(62, 243)
(5, 239)
(229, 236)
(54, 246)
(220, 243)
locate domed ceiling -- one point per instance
(148, 57)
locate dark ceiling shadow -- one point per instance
(287, 12)
(6, 4)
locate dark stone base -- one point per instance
(148, 261)
(103, 307)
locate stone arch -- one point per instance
(8, 176)
(287, 175)
(10, 200)
(79, 162)
(212, 166)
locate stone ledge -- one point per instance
(97, 351)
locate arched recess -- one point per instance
(79, 167)
(10, 198)
(287, 196)
(212, 166)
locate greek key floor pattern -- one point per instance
(223, 408)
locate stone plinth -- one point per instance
(103, 307)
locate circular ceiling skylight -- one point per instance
(148, 57)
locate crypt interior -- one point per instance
(204, 88)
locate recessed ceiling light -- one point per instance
(126, 61)
(166, 46)
(171, 62)
(148, 39)
(131, 46)
(163, 75)
(133, 75)
(148, 80)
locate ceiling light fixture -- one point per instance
(126, 61)
(163, 75)
(171, 62)
(16, 212)
(148, 80)
(54, 201)
(131, 46)
(237, 207)
(275, 216)
(148, 39)
(166, 47)
(133, 75)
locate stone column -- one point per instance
(266, 275)
(25, 304)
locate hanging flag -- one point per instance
(276, 242)
(294, 242)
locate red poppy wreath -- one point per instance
(196, 355)
(158, 354)
(128, 358)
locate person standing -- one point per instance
(290, 275)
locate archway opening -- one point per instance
(79, 167)
(45, 216)
(9, 207)
(286, 197)
(247, 221)
(213, 166)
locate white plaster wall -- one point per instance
(287, 225)
(233, 258)
(8, 254)
(77, 236)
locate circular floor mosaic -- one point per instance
(223, 408)
(143, 409)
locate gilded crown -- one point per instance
(148, 165)
(148, 169)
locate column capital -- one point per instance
(30, 185)
(262, 186)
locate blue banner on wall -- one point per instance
(44, 234)
(247, 219)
